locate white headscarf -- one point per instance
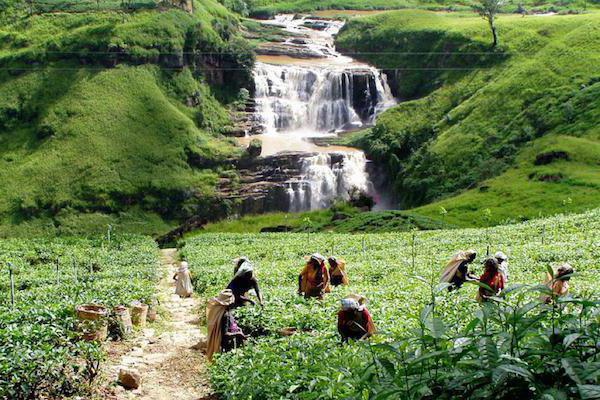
(351, 304)
(183, 266)
(318, 257)
(244, 269)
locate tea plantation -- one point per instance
(399, 274)
(41, 355)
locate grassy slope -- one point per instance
(82, 146)
(490, 117)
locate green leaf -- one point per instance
(591, 371)
(472, 325)
(437, 327)
(555, 394)
(572, 368)
(491, 352)
(425, 313)
(526, 308)
(569, 339)
(514, 370)
(588, 392)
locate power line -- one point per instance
(225, 69)
(83, 51)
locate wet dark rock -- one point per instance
(339, 216)
(276, 229)
(173, 59)
(364, 96)
(254, 149)
(299, 41)
(550, 177)
(320, 25)
(550, 157)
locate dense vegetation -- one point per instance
(517, 125)
(123, 112)
(341, 218)
(399, 273)
(42, 355)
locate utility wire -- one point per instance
(84, 51)
(223, 69)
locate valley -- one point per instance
(402, 198)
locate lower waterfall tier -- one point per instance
(297, 181)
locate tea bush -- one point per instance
(41, 353)
(398, 283)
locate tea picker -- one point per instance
(457, 270)
(354, 320)
(243, 281)
(314, 279)
(183, 278)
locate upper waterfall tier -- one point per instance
(318, 100)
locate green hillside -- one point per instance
(481, 118)
(111, 117)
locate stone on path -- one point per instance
(129, 378)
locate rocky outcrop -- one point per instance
(288, 49)
(246, 122)
(364, 94)
(263, 183)
(185, 5)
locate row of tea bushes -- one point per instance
(41, 353)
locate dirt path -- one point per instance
(162, 354)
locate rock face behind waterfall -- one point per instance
(296, 181)
(365, 95)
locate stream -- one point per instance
(305, 90)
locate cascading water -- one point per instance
(327, 177)
(318, 100)
(307, 101)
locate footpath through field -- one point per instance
(162, 355)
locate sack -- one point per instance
(93, 321)
(139, 313)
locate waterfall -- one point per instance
(327, 177)
(317, 99)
